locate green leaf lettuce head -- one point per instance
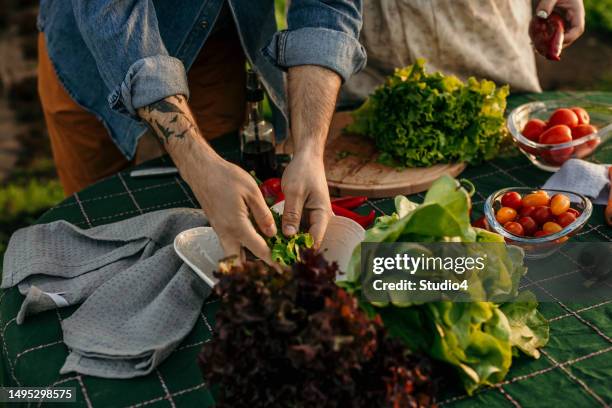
(477, 338)
(418, 119)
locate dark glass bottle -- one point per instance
(257, 144)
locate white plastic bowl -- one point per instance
(200, 248)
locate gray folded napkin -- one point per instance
(580, 176)
(138, 299)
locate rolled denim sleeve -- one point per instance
(323, 33)
(124, 38)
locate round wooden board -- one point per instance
(351, 167)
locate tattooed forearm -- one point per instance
(169, 118)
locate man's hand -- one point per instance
(312, 99)
(226, 193)
(574, 14)
(305, 189)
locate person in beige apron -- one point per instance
(481, 38)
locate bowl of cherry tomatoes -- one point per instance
(539, 221)
(551, 132)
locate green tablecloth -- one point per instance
(575, 369)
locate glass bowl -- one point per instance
(550, 157)
(538, 247)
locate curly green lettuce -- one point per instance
(286, 250)
(419, 119)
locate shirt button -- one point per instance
(204, 24)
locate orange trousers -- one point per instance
(82, 148)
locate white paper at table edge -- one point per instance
(601, 198)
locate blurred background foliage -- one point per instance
(28, 183)
(599, 16)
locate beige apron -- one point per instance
(481, 38)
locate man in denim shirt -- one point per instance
(116, 67)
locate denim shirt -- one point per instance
(114, 57)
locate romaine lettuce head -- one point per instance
(478, 338)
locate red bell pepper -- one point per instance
(349, 203)
(548, 35)
(363, 220)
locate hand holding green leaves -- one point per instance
(286, 250)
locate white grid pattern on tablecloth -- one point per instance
(189, 199)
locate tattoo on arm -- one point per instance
(170, 118)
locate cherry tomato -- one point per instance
(574, 211)
(556, 157)
(535, 200)
(543, 193)
(551, 227)
(566, 219)
(514, 228)
(512, 199)
(528, 224)
(531, 150)
(582, 130)
(563, 116)
(557, 135)
(505, 214)
(585, 149)
(539, 233)
(526, 211)
(583, 116)
(541, 214)
(559, 204)
(533, 129)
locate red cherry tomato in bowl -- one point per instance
(551, 227)
(533, 129)
(557, 135)
(514, 228)
(559, 203)
(535, 200)
(566, 219)
(586, 148)
(529, 225)
(541, 214)
(563, 116)
(505, 214)
(526, 211)
(582, 131)
(512, 199)
(574, 211)
(583, 116)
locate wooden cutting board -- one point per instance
(351, 167)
